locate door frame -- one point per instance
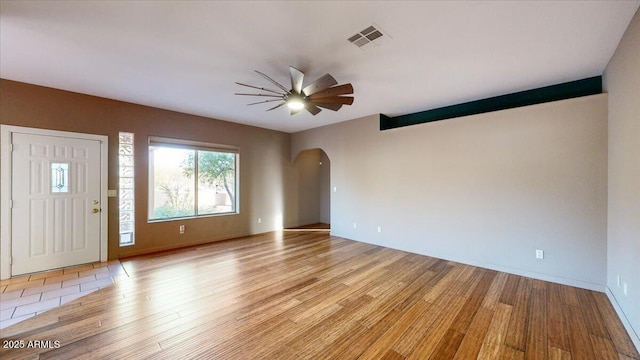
(6, 132)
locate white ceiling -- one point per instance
(186, 55)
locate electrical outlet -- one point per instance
(618, 280)
(379, 229)
(624, 288)
(355, 226)
(181, 229)
(539, 254)
(259, 220)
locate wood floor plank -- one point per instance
(493, 295)
(570, 296)
(509, 353)
(439, 328)
(353, 344)
(558, 354)
(448, 346)
(496, 333)
(558, 337)
(384, 343)
(537, 343)
(437, 289)
(307, 294)
(603, 348)
(475, 334)
(581, 347)
(448, 301)
(518, 324)
(616, 330)
(466, 315)
(392, 355)
(508, 295)
(591, 314)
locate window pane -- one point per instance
(126, 149)
(126, 171)
(172, 183)
(59, 177)
(126, 160)
(126, 138)
(126, 183)
(216, 182)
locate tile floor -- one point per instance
(26, 296)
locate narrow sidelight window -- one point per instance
(126, 187)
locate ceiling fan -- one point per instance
(322, 93)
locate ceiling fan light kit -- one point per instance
(322, 93)
(295, 103)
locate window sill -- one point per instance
(151, 221)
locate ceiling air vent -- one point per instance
(370, 35)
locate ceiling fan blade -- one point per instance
(345, 100)
(261, 88)
(334, 91)
(268, 95)
(277, 106)
(324, 82)
(296, 79)
(273, 81)
(334, 107)
(265, 101)
(314, 110)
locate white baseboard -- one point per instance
(635, 338)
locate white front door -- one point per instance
(55, 188)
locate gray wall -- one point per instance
(622, 81)
(486, 190)
(308, 168)
(325, 186)
(312, 188)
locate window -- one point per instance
(125, 188)
(59, 177)
(188, 179)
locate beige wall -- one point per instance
(325, 186)
(622, 82)
(265, 170)
(487, 189)
(308, 168)
(312, 184)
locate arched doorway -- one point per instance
(314, 189)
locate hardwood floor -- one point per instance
(296, 295)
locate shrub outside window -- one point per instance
(189, 179)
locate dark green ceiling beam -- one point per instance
(568, 90)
